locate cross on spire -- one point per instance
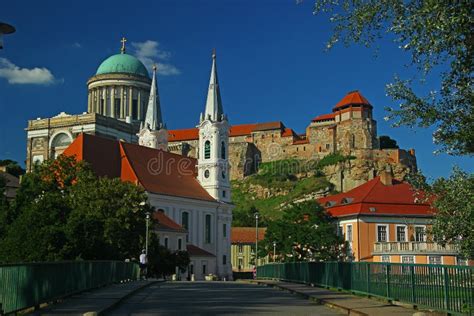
(123, 41)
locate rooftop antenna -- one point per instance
(5, 28)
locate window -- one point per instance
(434, 260)
(241, 248)
(385, 258)
(223, 174)
(204, 271)
(206, 174)
(224, 230)
(223, 150)
(61, 140)
(102, 107)
(327, 146)
(407, 259)
(185, 223)
(207, 229)
(134, 109)
(401, 233)
(461, 261)
(117, 108)
(223, 193)
(166, 242)
(241, 263)
(420, 233)
(382, 233)
(180, 244)
(207, 149)
(349, 233)
(224, 259)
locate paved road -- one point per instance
(214, 298)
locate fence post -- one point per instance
(387, 271)
(412, 271)
(446, 289)
(368, 278)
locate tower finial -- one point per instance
(155, 67)
(213, 53)
(123, 41)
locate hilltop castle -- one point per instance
(118, 95)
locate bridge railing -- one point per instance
(30, 284)
(440, 287)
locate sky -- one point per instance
(271, 57)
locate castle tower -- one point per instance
(213, 165)
(153, 133)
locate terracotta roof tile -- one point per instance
(246, 235)
(324, 117)
(164, 222)
(157, 171)
(353, 97)
(197, 252)
(288, 132)
(375, 198)
(183, 134)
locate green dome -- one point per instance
(122, 63)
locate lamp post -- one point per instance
(256, 242)
(147, 216)
(274, 250)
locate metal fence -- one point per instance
(30, 284)
(440, 287)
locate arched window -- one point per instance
(207, 149)
(185, 223)
(61, 140)
(207, 229)
(223, 150)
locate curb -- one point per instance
(319, 301)
(120, 300)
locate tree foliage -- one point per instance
(435, 33)
(304, 233)
(387, 143)
(453, 202)
(63, 212)
(12, 167)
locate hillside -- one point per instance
(278, 184)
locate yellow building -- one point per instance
(382, 221)
(243, 248)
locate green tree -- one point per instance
(453, 203)
(439, 36)
(387, 143)
(304, 233)
(4, 207)
(63, 212)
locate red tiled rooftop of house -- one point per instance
(164, 222)
(155, 170)
(246, 235)
(183, 134)
(324, 117)
(197, 252)
(376, 198)
(352, 98)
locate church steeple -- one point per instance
(153, 117)
(213, 160)
(213, 110)
(153, 133)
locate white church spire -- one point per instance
(153, 118)
(213, 110)
(153, 133)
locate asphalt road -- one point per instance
(217, 298)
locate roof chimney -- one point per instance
(386, 176)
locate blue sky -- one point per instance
(271, 62)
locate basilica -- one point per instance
(123, 135)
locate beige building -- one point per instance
(243, 248)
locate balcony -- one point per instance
(414, 248)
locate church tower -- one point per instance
(153, 132)
(213, 164)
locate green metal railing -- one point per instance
(440, 287)
(30, 284)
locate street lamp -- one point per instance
(274, 250)
(256, 242)
(147, 214)
(5, 29)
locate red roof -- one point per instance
(235, 130)
(375, 198)
(288, 132)
(166, 223)
(246, 235)
(301, 141)
(352, 98)
(324, 117)
(157, 171)
(197, 252)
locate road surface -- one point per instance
(216, 298)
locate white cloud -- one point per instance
(17, 75)
(77, 45)
(149, 53)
